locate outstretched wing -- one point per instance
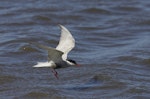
(66, 43)
(53, 54)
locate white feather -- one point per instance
(66, 43)
(45, 64)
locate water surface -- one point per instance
(112, 44)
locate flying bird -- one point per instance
(57, 57)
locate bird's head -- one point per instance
(72, 62)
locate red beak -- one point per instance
(78, 65)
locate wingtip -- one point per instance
(61, 26)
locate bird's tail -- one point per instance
(43, 64)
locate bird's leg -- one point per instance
(55, 73)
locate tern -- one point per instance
(57, 57)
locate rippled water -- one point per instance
(112, 44)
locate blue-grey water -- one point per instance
(112, 46)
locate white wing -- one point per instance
(66, 43)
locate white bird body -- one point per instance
(57, 57)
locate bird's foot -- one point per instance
(55, 73)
